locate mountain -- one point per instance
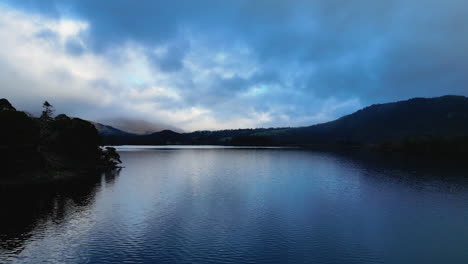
(445, 116)
(139, 127)
(107, 131)
(429, 124)
(165, 137)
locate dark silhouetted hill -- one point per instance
(48, 145)
(165, 137)
(106, 130)
(444, 116)
(420, 124)
(138, 127)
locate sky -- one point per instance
(211, 64)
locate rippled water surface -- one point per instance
(237, 205)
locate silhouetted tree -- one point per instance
(47, 112)
(5, 105)
(48, 143)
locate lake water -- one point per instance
(242, 205)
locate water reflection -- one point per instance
(247, 206)
(447, 175)
(27, 208)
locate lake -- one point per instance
(242, 205)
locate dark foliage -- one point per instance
(165, 137)
(48, 143)
(73, 137)
(47, 112)
(445, 116)
(19, 140)
(110, 156)
(5, 105)
(251, 140)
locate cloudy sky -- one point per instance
(211, 64)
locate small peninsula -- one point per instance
(47, 148)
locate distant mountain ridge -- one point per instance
(105, 130)
(138, 127)
(417, 117)
(402, 124)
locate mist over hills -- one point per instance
(429, 123)
(106, 130)
(136, 126)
